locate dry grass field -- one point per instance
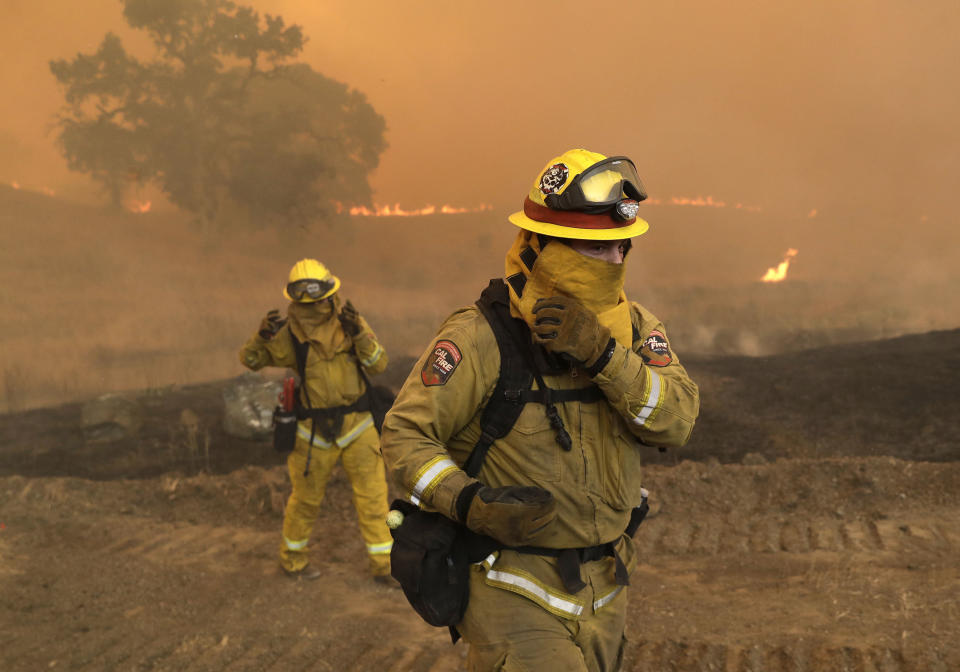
(93, 300)
(810, 525)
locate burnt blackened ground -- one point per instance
(897, 398)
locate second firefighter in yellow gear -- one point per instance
(564, 481)
(334, 340)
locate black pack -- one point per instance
(430, 565)
(284, 430)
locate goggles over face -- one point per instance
(609, 183)
(310, 288)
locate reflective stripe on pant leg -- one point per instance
(601, 635)
(303, 506)
(364, 466)
(509, 630)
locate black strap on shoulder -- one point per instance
(329, 421)
(300, 352)
(514, 389)
(505, 404)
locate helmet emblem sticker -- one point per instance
(553, 178)
(440, 364)
(655, 350)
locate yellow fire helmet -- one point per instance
(310, 281)
(585, 195)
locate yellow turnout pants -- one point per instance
(510, 633)
(363, 464)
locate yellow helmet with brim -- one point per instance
(310, 281)
(585, 195)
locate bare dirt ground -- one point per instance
(813, 523)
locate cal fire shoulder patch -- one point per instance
(656, 350)
(441, 363)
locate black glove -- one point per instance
(350, 319)
(512, 515)
(271, 325)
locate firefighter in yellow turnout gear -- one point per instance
(549, 486)
(335, 339)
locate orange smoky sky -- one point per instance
(849, 108)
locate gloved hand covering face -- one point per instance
(563, 325)
(512, 515)
(350, 319)
(271, 325)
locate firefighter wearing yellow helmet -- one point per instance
(526, 421)
(332, 347)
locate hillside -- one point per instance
(95, 300)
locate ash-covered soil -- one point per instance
(813, 523)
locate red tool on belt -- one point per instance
(287, 394)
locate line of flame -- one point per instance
(397, 211)
(780, 272)
(701, 202)
(43, 190)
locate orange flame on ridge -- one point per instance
(701, 202)
(43, 190)
(779, 273)
(139, 207)
(397, 211)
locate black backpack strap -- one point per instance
(505, 405)
(300, 351)
(518, 369)
(519, 336)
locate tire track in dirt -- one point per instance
(356, 626)
(164, 543)
(117, 654)
(678, 656)
(665, 536)
(219, 548)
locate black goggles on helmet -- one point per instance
(309, 288)
(607, 184)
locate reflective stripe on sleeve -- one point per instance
(380, 549)
(372, 359)
(295, 545)
(430, 475)
(653, 398)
